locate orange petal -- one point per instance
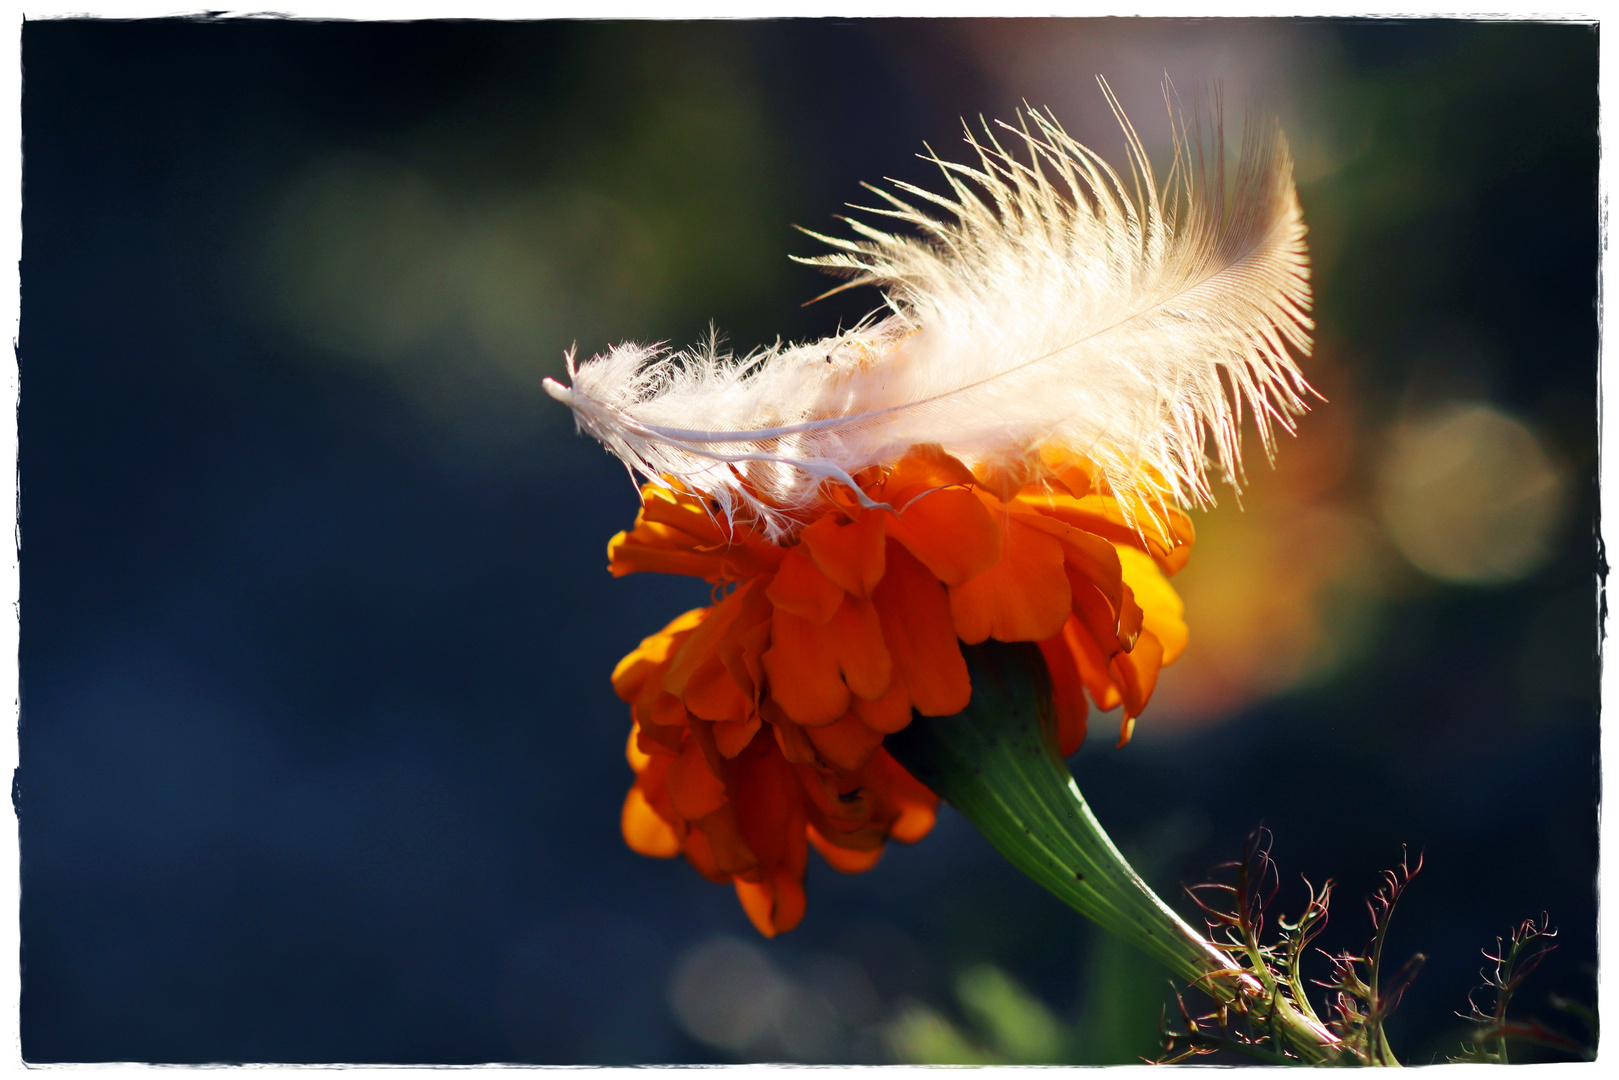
(1096, 617)
(1083, 552)
(644, 831)
(951, 531)
(794, 743)
(1070, 471)
(1005, 475)
(774, 906)
(1137, 674)
(889, 713)
(701, 644)
(722, 844)
(921, 636)
(632, 671)
(659, 741)
(1161, 605)
(700, 854)
(1094, 665)
(770, 811)
(799, 587)
(633, 753)
(665, 710)
(813, 669)
(863, 656)
(915, 807)
(713, 695)
(695, 791)
(1164, 532)
(658, 549)
(1067, 693)
(846, 744)
(842, 800)
(851, 555)
(1024, 597)
(746, 639)
(802, 667)
(732, 738)
(841, 858)
(924, 467)
(684, 512)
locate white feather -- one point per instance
(1048, 304)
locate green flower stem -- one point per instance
(997, 762)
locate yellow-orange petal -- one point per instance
(1024, 597)
(695, 791)
(800, 588)
(915, 612)
(950, 531)
(846, 744)
(850, 555)
(1162, 611)
(644, 831)
(845, 860)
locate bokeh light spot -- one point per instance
(1468, 494)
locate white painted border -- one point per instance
(11, 250)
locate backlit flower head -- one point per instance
(1000, 456)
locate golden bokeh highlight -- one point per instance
(1469, 495)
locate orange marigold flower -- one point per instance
(759, 721)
